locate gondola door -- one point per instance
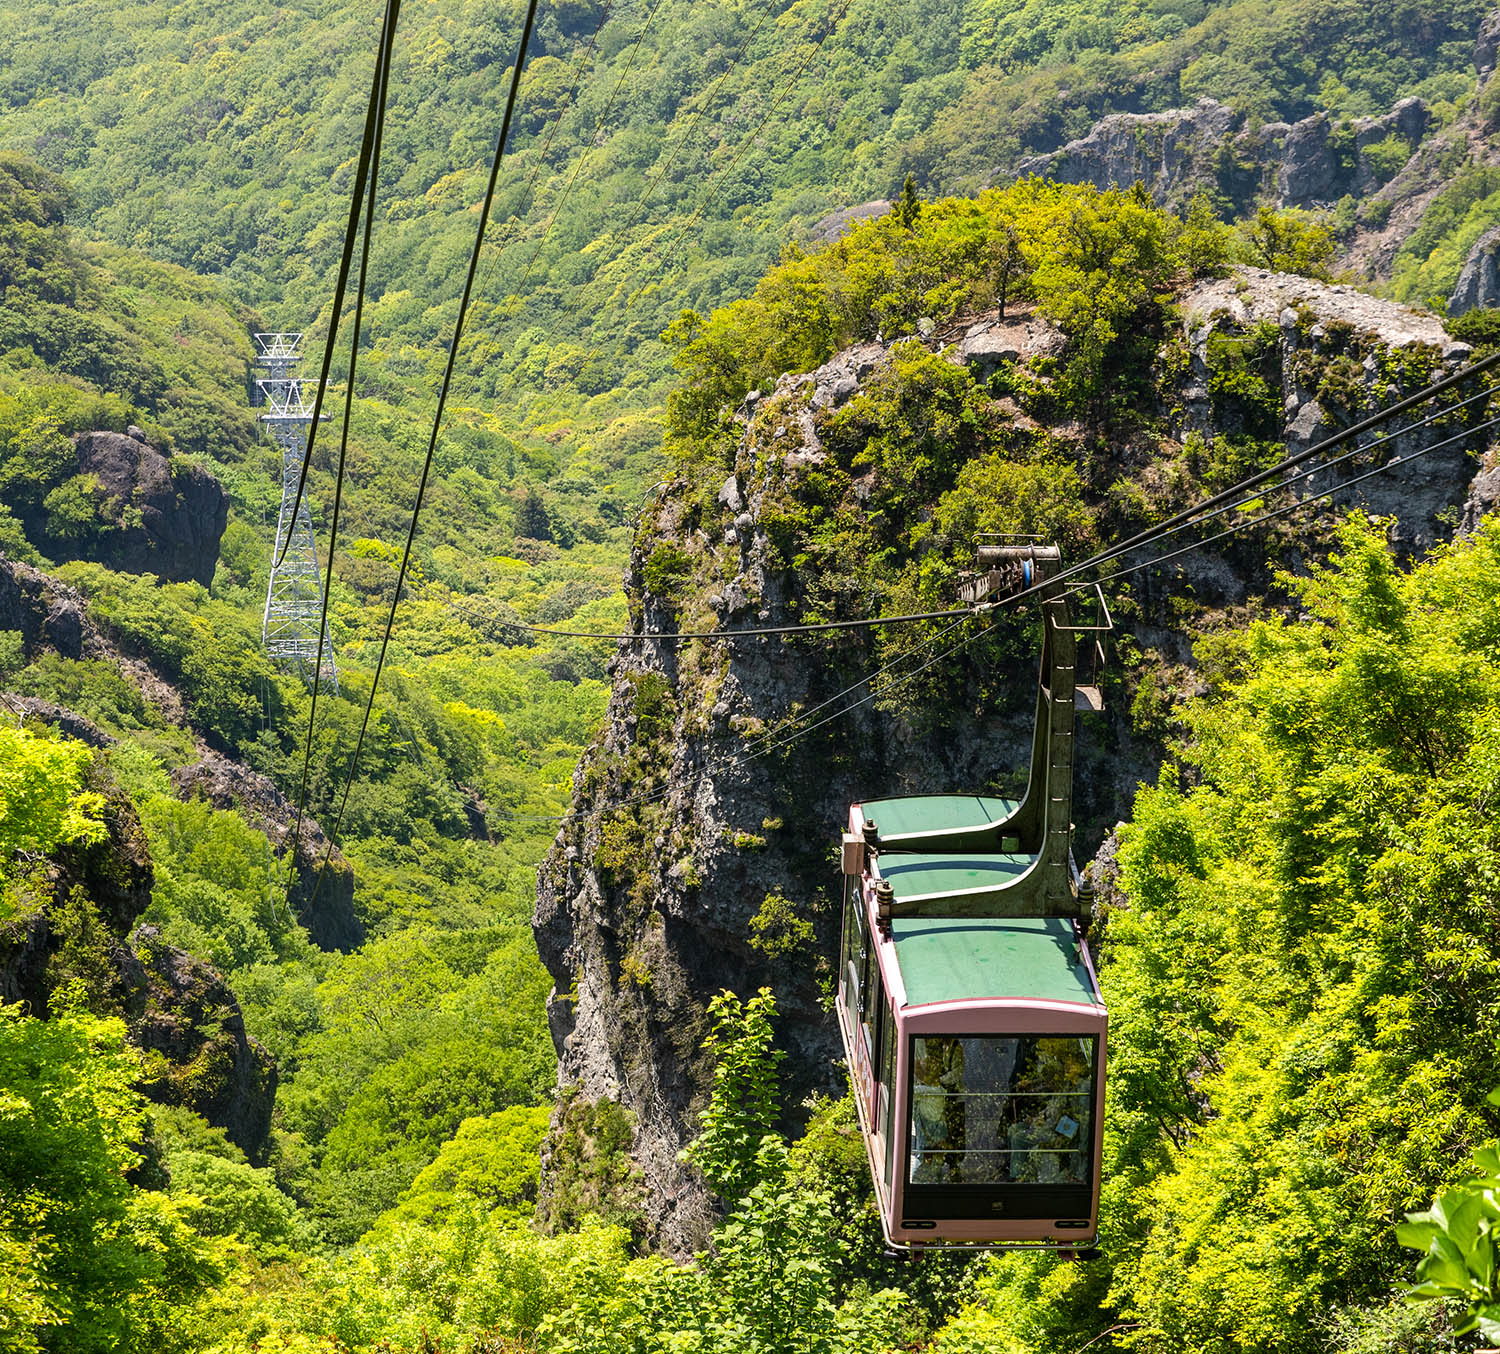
(868, 1029)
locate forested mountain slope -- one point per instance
(703, 137)
(243, 1111)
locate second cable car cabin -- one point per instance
(969, 1008)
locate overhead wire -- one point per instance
(1188, 516)
(773, 741)
(770, 743)
(356, 197)
(754, 632)
(437, 421)
(1333, 490)
(356, 325)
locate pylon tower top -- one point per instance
(294, 593)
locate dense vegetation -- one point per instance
(702, 141)
(1301, 995)
(1298, 979)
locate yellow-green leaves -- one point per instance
(42, 800)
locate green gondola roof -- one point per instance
(973, 958)
(919, 874)
(933, 813)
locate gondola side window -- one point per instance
(850, 951)
(888, 1093)
(994, 1109)
(857, 953)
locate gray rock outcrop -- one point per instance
(830, 227)
(180, 1008)
(172, 1003)
(325, 908)
(1337, 349)
(164, 517)
(47, 614)
(1487, 44)
(1311, 163)
(1478, 282)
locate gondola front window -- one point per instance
(994, 1109)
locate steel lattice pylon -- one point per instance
(294, 595)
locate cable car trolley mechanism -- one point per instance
(968, 1005)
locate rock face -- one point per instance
(1338, 352)
(836, 223)
(172, 1004)
(167, 517)
(1478, 282)
(1486, 44)
(183, 1010)
(642, 919)
(47, 614)
(1311, 163)
(329, 917)
(644, 912)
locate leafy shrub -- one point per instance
(42, 799)
(89, 1262)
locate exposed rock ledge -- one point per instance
(643, 916)
(1177, 152)
(158, 516)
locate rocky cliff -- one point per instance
(83, 918)
(52, 617)
(1210, 146)
(701, 854)
(152, 514)
(1385, 172)
(78, 925)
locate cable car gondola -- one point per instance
(969, 1007)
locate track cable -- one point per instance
(437, 421)
(356, 324)
(373, 116)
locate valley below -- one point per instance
(479, 995)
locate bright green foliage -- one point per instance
(218, 889)
(1297, 979)
(42, 799)
(211, 649)
(415, 1034)
(491, 1160)
(736, 1126)
(775, 1281)
(994, 494)
(35, 261)
(476, 1278)
(1432, 255)
(220, 1193)
(591, 1174)
(1457, 1237)
(87, 1261)
(777, 930)
(1288, 241)
(444, 1269)
(1096, 263)
(110, 327)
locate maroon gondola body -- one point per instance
(968, 1004)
